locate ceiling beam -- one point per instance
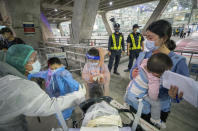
(65, 14)
(56, 13)
(57, 19)
(57, 6)
(54, 1)
(124, 4)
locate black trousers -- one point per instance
(114, 55)
(133, 55)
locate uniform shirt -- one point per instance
(136, 37)
(117, 36)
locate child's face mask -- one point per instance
(95, 64)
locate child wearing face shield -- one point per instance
(95, 71)
(58, 81)
(147, 83)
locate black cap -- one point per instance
(136, 26)
(116, 25)
(6, 29)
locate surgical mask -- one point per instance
(138, 30)
(117, 30)
(150, 45)
(53, 71)
(36, 67)
(94, 64)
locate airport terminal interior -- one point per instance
(68, 29)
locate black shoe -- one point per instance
(127, 70)
(117, 73)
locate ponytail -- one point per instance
(170, 44)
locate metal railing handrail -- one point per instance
(183, 51)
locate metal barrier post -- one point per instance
(190, 59)
(63, 50)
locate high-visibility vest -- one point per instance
(133, 42)
(115, 47)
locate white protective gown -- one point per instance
(20, 97)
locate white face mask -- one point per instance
(36, 67)
(150, 45)
(94, 64)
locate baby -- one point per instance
(147, 83)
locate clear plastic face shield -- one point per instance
(94, 60)
(33, 65)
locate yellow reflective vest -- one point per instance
(115, 47)
(134, 47)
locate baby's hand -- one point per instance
(102, 80)
(135, 72)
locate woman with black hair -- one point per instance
(158, 40)
(10, 39)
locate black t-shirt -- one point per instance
(136, 37)
(7, 44)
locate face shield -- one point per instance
(94, 60)
(33, 63)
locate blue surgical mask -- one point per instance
(150, 45)
(36, 67)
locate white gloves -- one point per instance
(80, 94)
(97, 78)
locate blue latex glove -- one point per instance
(29, 76)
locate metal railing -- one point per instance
(100, 42)
(62, 40)
(193, 67)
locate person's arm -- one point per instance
(109, 43)
(19, 41)
(141, 56)
(106, 79)
(142, 42)
(134, 68)
(182, 68)
(102, 53)
(41, 74)
(38, 103)
(128, 45)
(123, 45)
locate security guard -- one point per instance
(115, 48)
(135, 45)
